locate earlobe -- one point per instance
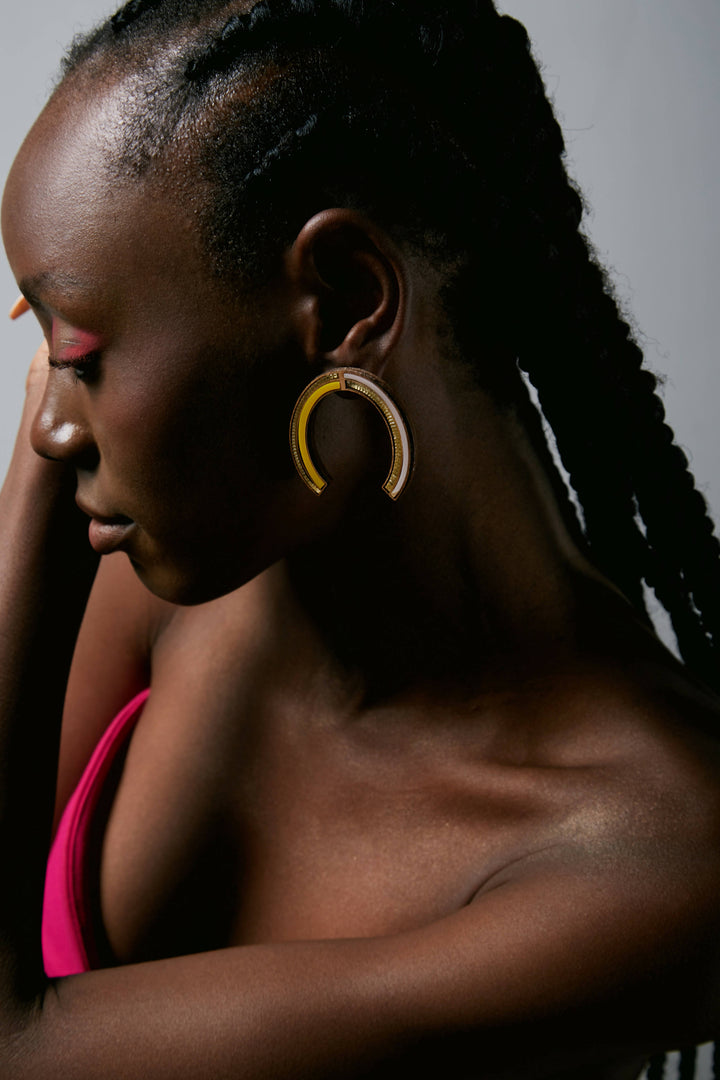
(350, 277)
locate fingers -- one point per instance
(19, 308)
(37, 375)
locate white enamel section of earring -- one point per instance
(399, 419)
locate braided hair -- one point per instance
(290, 105)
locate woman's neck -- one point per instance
(469, 580)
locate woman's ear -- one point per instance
(350, 288)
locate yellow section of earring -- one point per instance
(372, 389)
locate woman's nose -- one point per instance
(60, 431)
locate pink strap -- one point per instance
(67, 941)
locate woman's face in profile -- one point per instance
(162, 397)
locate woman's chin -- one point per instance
(188, 587)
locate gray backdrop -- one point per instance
(637, 87)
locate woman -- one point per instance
(416, 790)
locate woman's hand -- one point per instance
(35, 383)
(37, 373)
(31, 479)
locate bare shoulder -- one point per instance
(622, 885)
(663, 770)
(641, 808)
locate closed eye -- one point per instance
(83, 367)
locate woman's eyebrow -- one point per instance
(49, 281)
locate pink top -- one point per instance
(67, 925)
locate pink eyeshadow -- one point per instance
(73, 344)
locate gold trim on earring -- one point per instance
(363, 383)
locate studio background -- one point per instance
(636, 85)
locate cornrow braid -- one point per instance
(221, 53)
(256, 29)
(130, 13)
(291, 107)
(284, 148)
(382, 25)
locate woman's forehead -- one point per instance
(57, 201)
(67, 177)
(70, 234)
(70, 147)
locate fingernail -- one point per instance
(19, 308)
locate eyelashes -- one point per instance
(84, 368)
(74, 348)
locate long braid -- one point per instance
(688, 1062)
(587, 369)
(488, 183)
(657, 1068)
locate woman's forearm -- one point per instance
(46, 569)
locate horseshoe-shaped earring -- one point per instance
(363, 383)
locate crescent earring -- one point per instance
(358, 382)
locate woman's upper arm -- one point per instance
(111, 663)
(562, 965)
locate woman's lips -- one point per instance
(106, 536)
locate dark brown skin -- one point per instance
(435, 795)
